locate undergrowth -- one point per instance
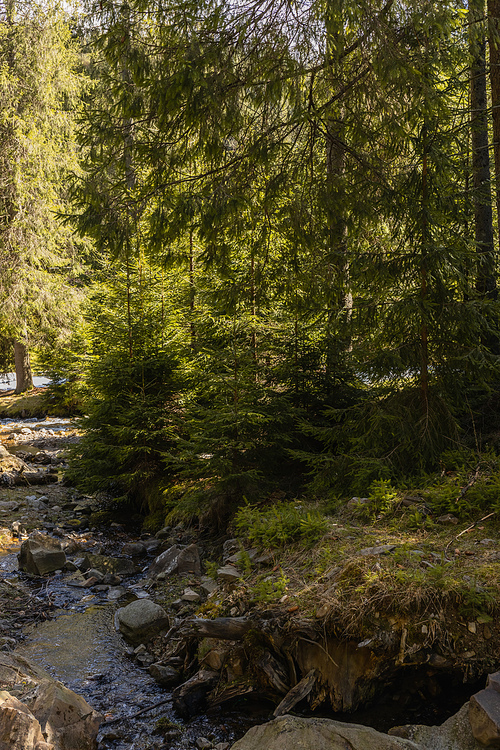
(280, 524)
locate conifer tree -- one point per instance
(38, 90)
(308, 178)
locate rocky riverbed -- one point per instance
(170, 657)
(58, 613)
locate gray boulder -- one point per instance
(484, 717)
(141, 620)
(188, 561)
(318, 734)
(66, 719)
(40, 554)
(164, 675)
(454, 734)
(166, 562)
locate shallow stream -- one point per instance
(82, 649)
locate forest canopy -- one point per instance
(287, 218)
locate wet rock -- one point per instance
(141, 620)
(115, 565)
(41, 554)
(112, 579)
(115, 593)
(94, 573)
(134, 549)
(317, 734)
(19, 729)
(151, 545)
(91, 582)
(484, 717)
(166, 562)
(228, 574)
(145, 660)
(188, 561)
(66, 719)
(164, 675)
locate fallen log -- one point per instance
(28, 478)
(222, 628)
(296, 694)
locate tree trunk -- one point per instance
(483, 215)
(494, 47)
(340, 299)
(24, 378)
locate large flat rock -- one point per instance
(39, 713)
(294, 733)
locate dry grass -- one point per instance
(23, 405)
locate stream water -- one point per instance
(81, 648)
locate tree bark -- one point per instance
(24, 378)
(223, 628)
(297, 693)
(483, 214)
(494, 48)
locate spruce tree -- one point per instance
(38, 92)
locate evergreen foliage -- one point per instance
(39, 90)
(285, 212)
